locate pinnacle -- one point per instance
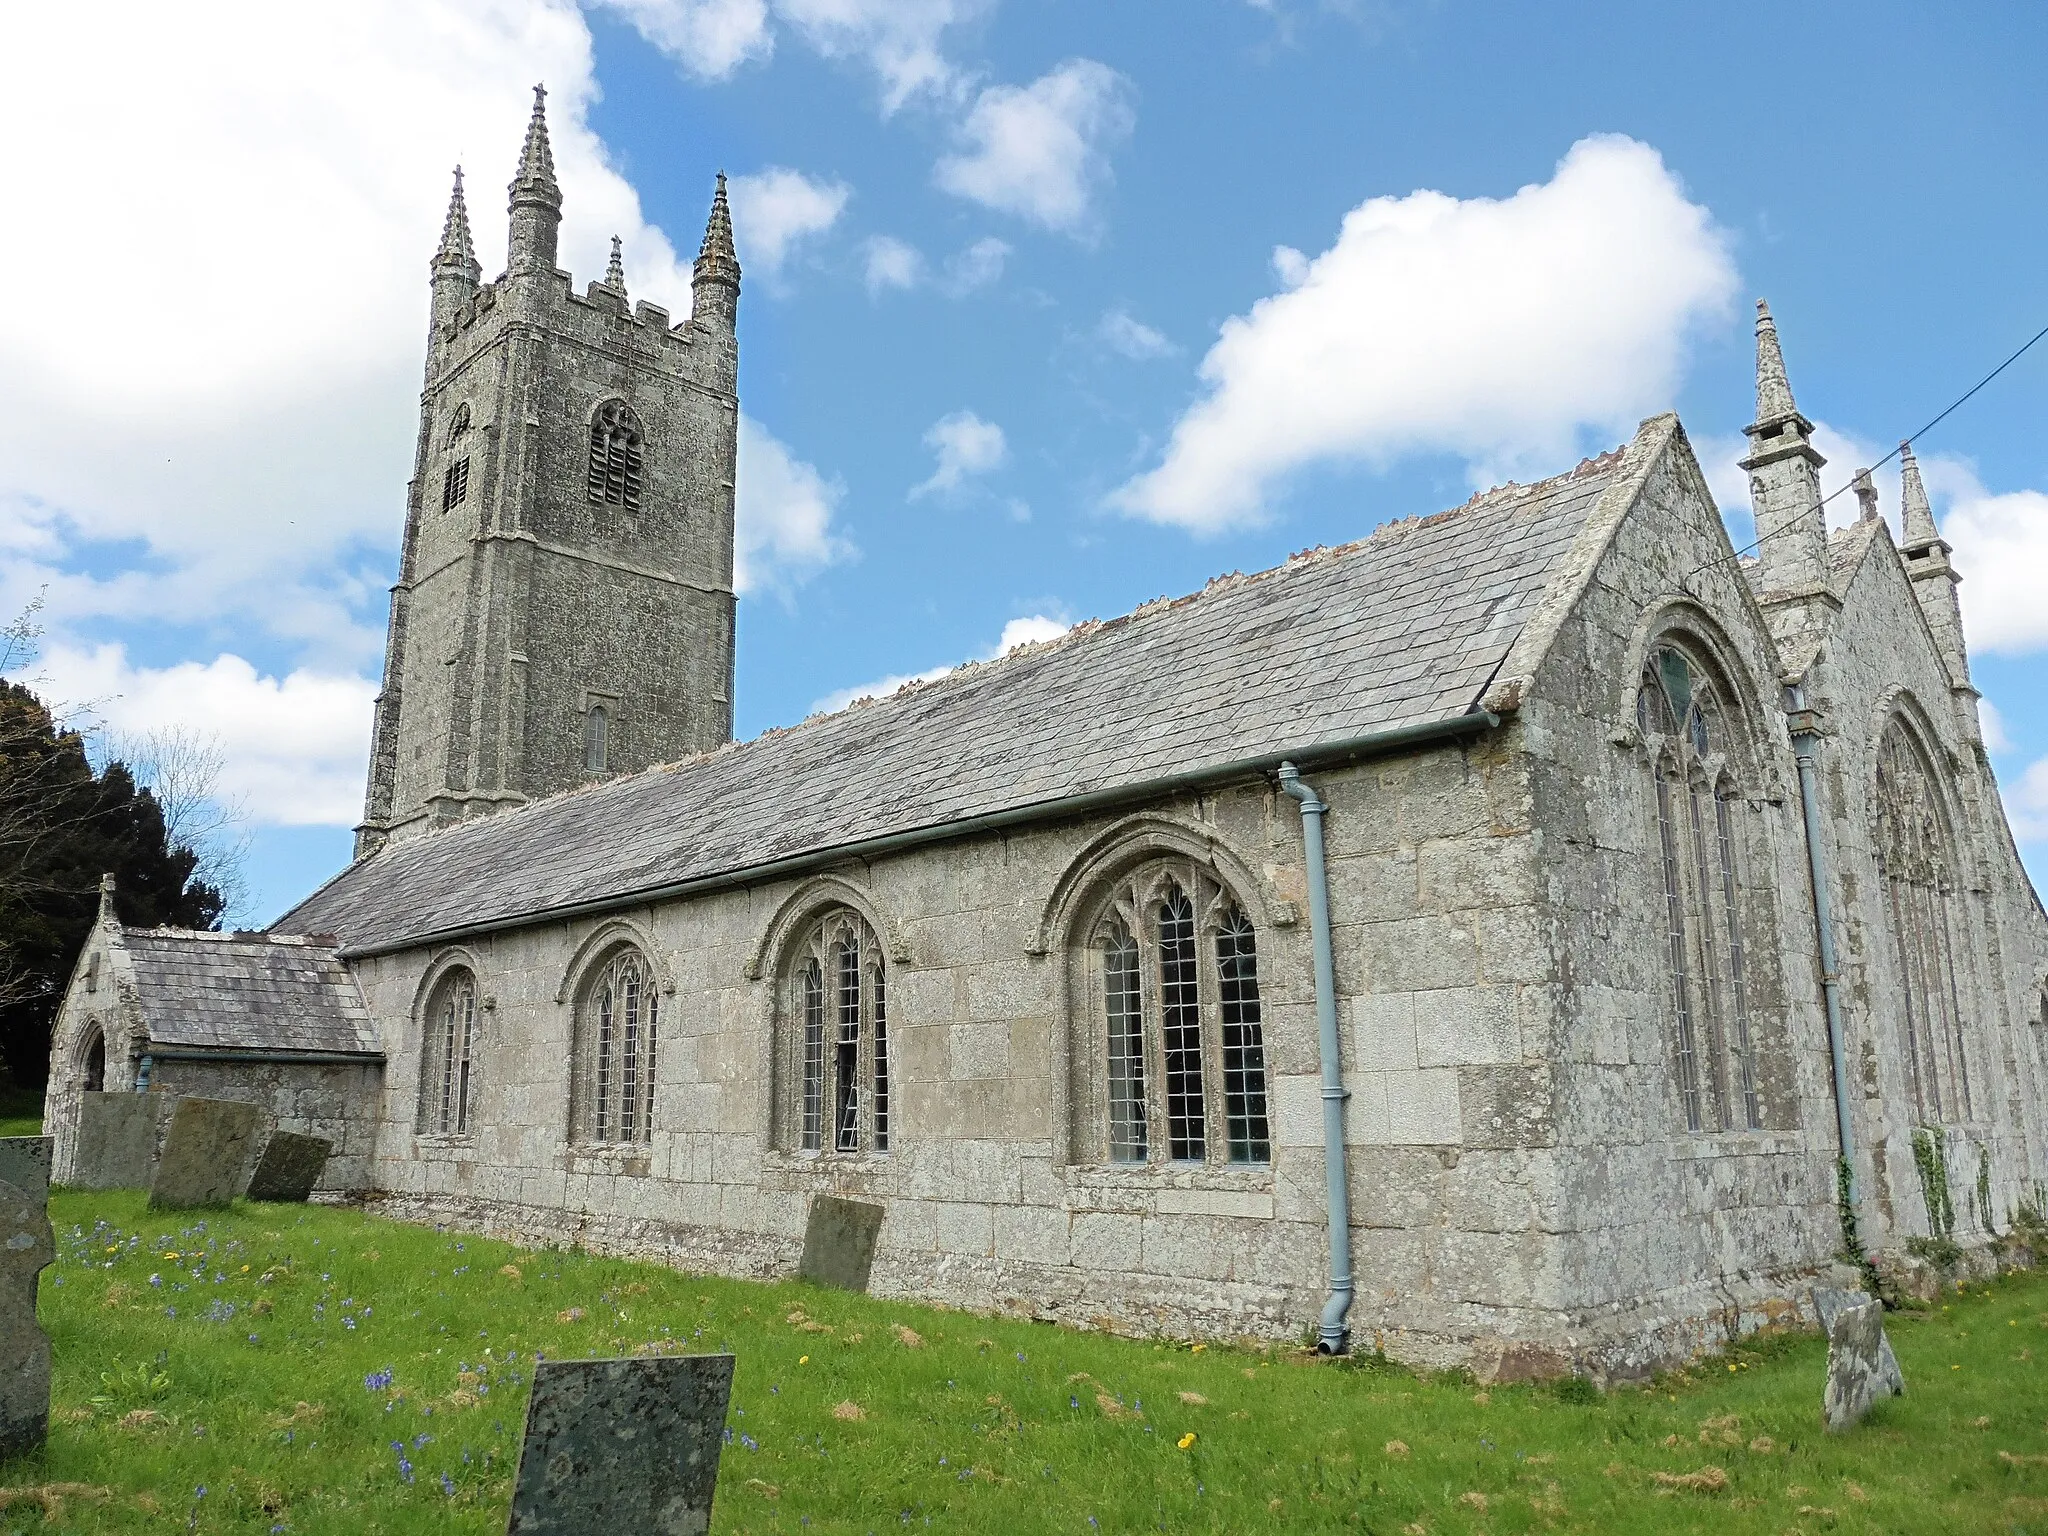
(1773, 389)
(536, 157)
(615, 270)
(456, 249)
(1916, 515)
(716, 258)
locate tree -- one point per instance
(181, 768)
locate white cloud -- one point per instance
(1040, 150)
(1992, 723)
(2000, 544)
(782, 515)
(1133, 338)
(1026, 631)
(709, 38)
(1500, 330)
(293, 748)
(977, 266)
(2026, 803)
(775, 210)
(965, 445)
(891, 263)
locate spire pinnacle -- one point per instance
(456, 250)
(717, 261)
(1773, 389)
(1916, 516)
(615, 270)
(536, 157)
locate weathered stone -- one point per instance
(290, 1167)
(621, 1446)
(25, 1163)
(26, 1246)
(1830, 1303)
(839, 1242)
(207, 1153)
(117, 1139)
(1858, 1376)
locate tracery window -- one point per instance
(615, 1052)
(1686, 730)
(839, 997)
(447, 1054)
(1914, 856)
(1181, 1061)
(615, 456)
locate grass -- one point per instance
(328, 1372)
(21, 1112)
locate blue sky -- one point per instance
(1050, 307)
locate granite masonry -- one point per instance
(1637, 848)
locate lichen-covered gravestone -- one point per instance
(26, 1247)
(290, 1167)
(1861, 1366)
(839, 1242)
(207, 1154)
(25, 1163)
(117, 1136)
(618, 1446)
(1831, 1304)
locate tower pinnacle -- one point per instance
(456, 250)
(1784, 477)
(615, 269)
(715, 279)
(1916, 516)
(1773, 389)
(537, 156)
(536, 197)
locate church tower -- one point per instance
(564, 604)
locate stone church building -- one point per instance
(1487, 939)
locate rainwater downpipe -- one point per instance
(1805, 741)
(1333, 1338)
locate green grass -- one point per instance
(256, 1392)
(21, 1112)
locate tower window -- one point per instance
(455, 485)
(597, 745)
(615, 461)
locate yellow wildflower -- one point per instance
(1186, 1440)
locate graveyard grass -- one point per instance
(21, 1109)
(311, 1369)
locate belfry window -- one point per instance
(455, 485)
(1181, 1061)
(615, 1052)
(1698, 857)
(616, 466)
(839, 996)
(1915, 859)
(447, 1052)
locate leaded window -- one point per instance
(615, 456)
(447, 1057)
(1915, 859)
(841, 1046)
(597, 739)
(616, 1052)
(1686, 731)
(1179, 1053)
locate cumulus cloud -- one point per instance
(293, 747)
(977, 266)
(1501, 330)
(776, 209)
(709, 38)
(1040, 151)
(782, 515)
(1025, 631)
(966, 446)
(1133, 338)
(891, 263)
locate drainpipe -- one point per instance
(1333, 1338)
(142, 1072)
(1805, 726)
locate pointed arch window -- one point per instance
(1180, 1064)
(94, 1059)
(616, 465)
(1686, 730)
(447, 1057)
(616, 1035)
(1915, 857)
(840, 1056)
(455, 478)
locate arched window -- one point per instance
(615, 1041)
(1686, 729)
(839, 1002)
(1914, 858)
(94, 1060)
(447, 1054)
(597, 744)
(455, 478)
(615, 463)
(1180, 1067)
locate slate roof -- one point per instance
(1404, 628)
(246, 991)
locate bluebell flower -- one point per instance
(448, 1485)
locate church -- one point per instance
(1537, 936)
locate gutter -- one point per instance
(1373, 743)
(283, 1058)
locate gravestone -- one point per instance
(839, 1242)
(290, 1167)
(25, 1163)
(621, 1446)
(26, 1246)
(1857, 1376)
(1830, 1304)
(207, 1153)
(117, 1137)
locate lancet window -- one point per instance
(840, 998)
(616, 1034)
(616, 465)
(447, 1055)
(597, 739)
(1687, 732)
(455, 478)
(1916, 861)
(1181, 1066)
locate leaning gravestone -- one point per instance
(839, 1242)
(289, 1168)
(117, 1136)
(25, 1163)
(621, 1446)
(1831, 1304)
(207, 1153)
(26, 1247)
(1857, 1375)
